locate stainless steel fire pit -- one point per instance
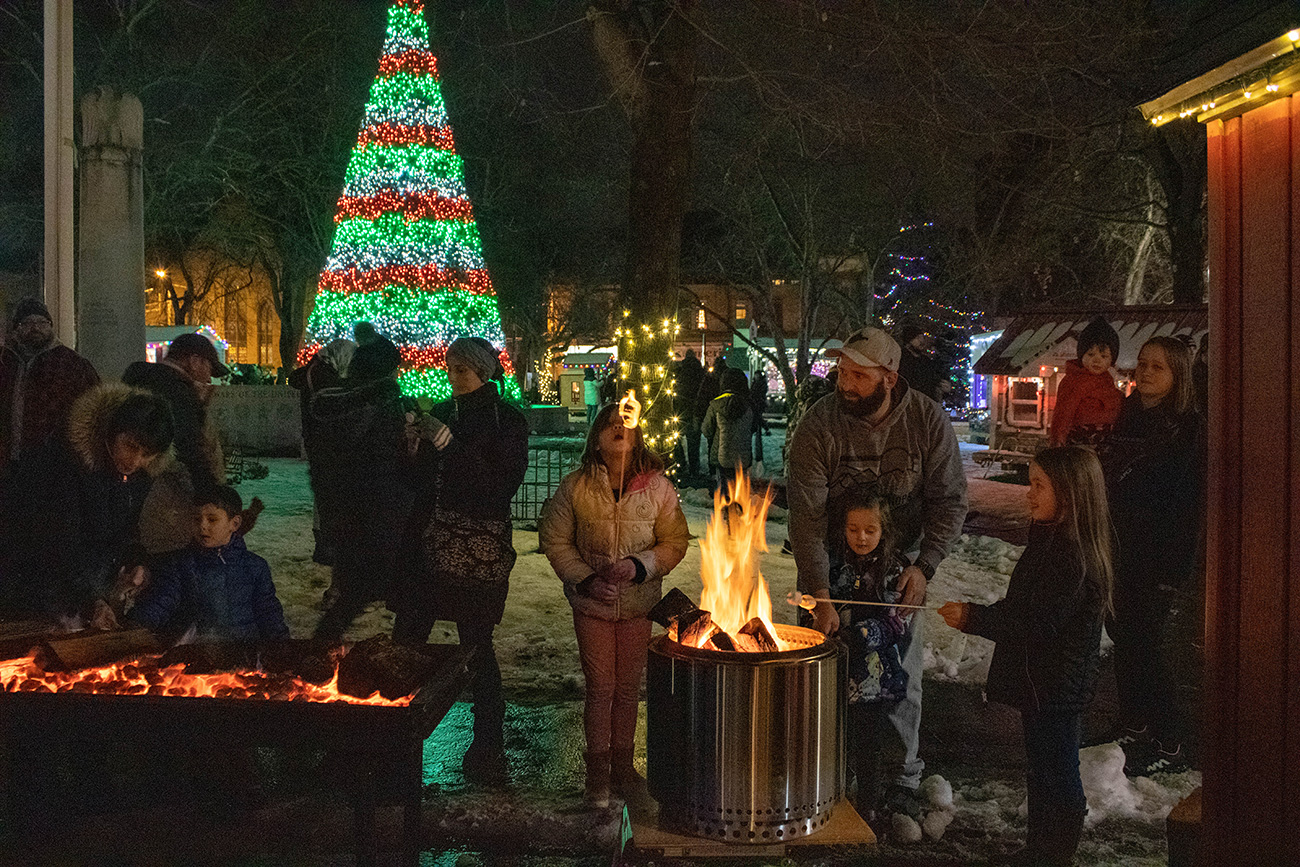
(747, 747)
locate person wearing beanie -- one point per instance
(917, 364)
(40, 379)
(471, 459)
(359, 468)
(1087, 400)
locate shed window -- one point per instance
(1024, 402)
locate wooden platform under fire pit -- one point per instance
(644, 838)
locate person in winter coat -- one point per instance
(917, 364)
(184, 379)
(217, 587)
(359, 476)
(612, 531)
(40, 379)
(868, 571)
(875, 434)
(1048, 636)
(69, 520)
(590, 394)
(758, 400)
(690, 375)
(1155, 469)
(729, 426)
(326, 369)
(1087, 400)
(472, 457)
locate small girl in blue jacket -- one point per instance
(1048, 634)
(868, 571)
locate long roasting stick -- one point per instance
(809, 602)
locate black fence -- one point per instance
(547, 466)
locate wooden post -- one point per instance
(1251, 747)
(60, 153)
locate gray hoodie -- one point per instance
(911, 457)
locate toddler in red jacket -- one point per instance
(1087, 400)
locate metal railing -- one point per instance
(547, 467)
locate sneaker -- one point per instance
(900, 799)
(1118, 735)
(1163, 761)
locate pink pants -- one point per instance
(613, 654)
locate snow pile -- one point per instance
(977, 570)
(1111, 793)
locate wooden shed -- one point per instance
(1026, 364)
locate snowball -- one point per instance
(936, 791)
(905, 828)
(936, 822)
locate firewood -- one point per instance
(19, 637)
(92, 648)
(674, 604)
(720, 641)
(758, 630)
(379, 665)
(693, 626)
(745, 643)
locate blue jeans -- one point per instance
(905, 715)
(1052, 751)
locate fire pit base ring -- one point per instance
(747, 747)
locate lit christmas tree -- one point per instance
(406, 254)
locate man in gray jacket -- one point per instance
(876, 433)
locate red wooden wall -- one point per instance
(1251, 749)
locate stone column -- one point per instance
(60, 154)
(110, 268)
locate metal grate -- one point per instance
(547, 466)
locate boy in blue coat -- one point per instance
(216, 586)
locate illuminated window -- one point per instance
(699, 320)
(741, 312)
(1025, 403)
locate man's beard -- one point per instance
(865, 407)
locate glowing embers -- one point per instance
(144, 676)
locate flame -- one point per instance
(143, 677)
(735, 591)
(629, 409)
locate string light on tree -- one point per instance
(653, 382)
(406, 254)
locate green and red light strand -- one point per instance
(406, 254)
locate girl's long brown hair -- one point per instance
(1178, 355)
(640, 460)
(1075, 475)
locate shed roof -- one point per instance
(1032, 335)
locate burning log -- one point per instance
(674, 604)
(379, 665)
(720, 640)
(693, 627)
(757, 631)
(91, 649)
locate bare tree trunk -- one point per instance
(647, 49)
(1178, 158)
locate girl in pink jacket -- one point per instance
(612, 531)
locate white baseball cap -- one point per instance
(870, 347)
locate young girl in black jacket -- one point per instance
(1048, 634)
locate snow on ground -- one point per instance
(539, 658)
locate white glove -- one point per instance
(434, 431)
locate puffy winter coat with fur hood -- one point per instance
(578, 535)
(70, 520)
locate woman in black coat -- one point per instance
(69, 520)
(359, 473)
(1154, 465)
(472, 459)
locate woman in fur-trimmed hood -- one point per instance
(72, 511)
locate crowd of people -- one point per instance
(115, 514)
